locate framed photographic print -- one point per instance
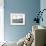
(17, 19)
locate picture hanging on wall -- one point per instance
(17, 19)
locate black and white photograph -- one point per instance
(17, 19)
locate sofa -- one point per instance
(39, 35)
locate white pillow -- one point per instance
(20, 42)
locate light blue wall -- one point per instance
(43, 6)
(29, 7)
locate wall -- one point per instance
(29, 7)
(43, 6)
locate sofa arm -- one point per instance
(39, 37)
